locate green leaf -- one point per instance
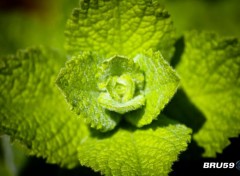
(161, 82)
(36, 116)
(210, 69)
(120, 27)
(78, 81)
(147, 151)
(121, 82)
(33, 111)
(106, 101)
(101, 90)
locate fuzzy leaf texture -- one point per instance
(124, 27)
(36, 116)
(210, 69)
(120, 79)
(33, 111)
(150, 150)
(78, 81)
(103, 91)
(161, 83)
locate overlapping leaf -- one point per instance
(82, 84)
(78, 81)
(147, 151)
(33, 111)
(120, 27)
(35, 115)
(161, 82)
(210, 69)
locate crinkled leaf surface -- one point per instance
(81, 82)
(161, 82)
(121, 83)
(210, 72)
(150, 150)
(123, 27)
(33, 110)
(78, 81)
(36, 115)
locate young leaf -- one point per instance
(35, 115)
(33, 111)
(161, 82)
(103, 90)
(121, 83)
(209, 70)
(150, 150)
(78, 81)
(120, 27)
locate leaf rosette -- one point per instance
(103, 91)
(121, 83)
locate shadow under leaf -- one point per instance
(179, 49)
(183, 110)
(162, 121)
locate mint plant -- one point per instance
(118, 88)
(102, 105)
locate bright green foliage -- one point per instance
(210, 69)
(147, 151)
(36, 116)
(161, 82)
(121, 82)
(101, 92)
(33, 111)
(78, 80)
(106, 101)
(116, 72)
(124, 27)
